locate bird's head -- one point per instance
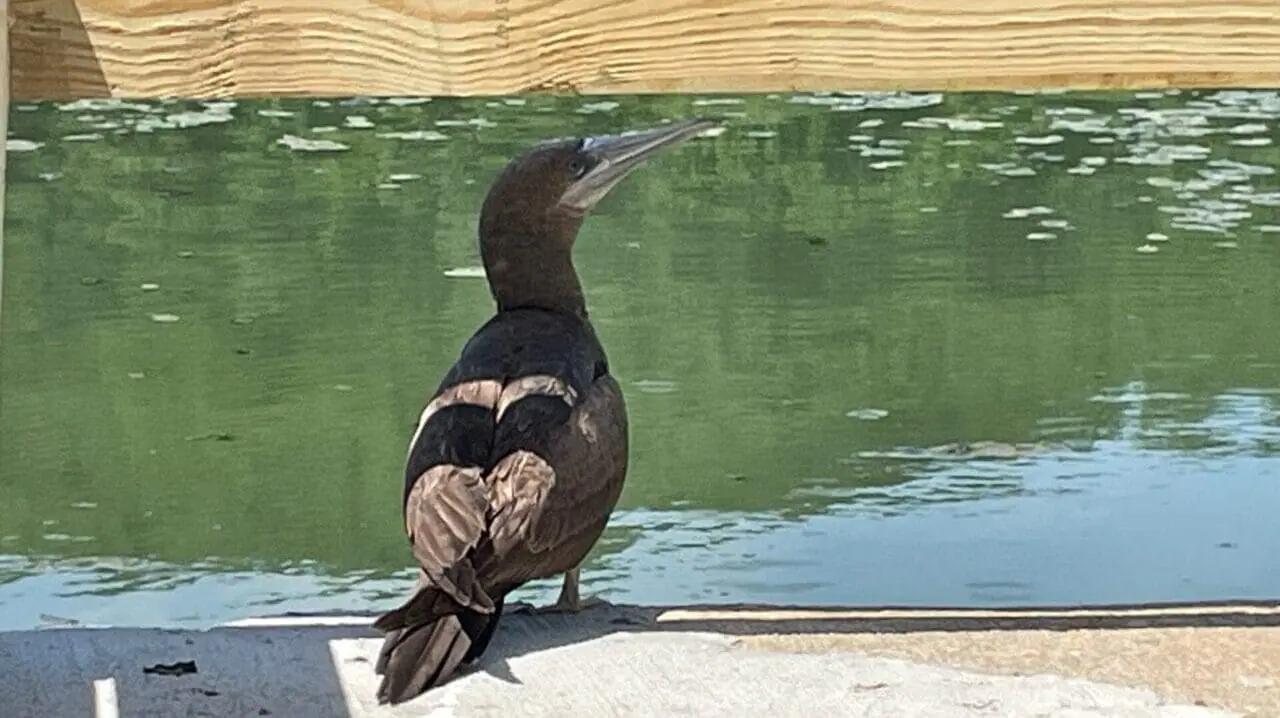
(542, 197)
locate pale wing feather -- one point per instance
(445, 515)
(518, 489)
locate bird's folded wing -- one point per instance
(543, 495)
(446, 509)
(446, 517)
(452, 509)
(533, 415)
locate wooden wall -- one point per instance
(225, 48)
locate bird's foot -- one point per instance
(569, 600)
(562, 605)
(519, 607)
(573, 604)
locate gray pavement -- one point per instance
(599, 664)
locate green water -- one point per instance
(220, 321)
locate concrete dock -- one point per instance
(1157, 662)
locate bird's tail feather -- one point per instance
(418, 657)
(426, 640)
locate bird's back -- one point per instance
(461, 425)
(516, 465)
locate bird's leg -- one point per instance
(570, 601)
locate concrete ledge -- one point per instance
(630, 661)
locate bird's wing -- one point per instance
(546, 497)
(446, 507)
(482, 458)
(533, 412)
(509, 461)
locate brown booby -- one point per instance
(520, 456)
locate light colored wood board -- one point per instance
(4, 134)
(230, 48)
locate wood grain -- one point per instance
(231, 48)
(4, 133)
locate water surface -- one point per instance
(886, 348)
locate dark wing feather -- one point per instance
(590, 456)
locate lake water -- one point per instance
(879, 349)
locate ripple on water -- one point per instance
(303, 144)
(591, 108)
(1023, 212)
(858, 101)
(1052, 139)
(955, 124)
(415, 135)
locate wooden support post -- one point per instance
(4, 130)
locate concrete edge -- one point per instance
(1047, 642)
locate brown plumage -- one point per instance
(520, 456)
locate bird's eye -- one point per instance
(577, 167)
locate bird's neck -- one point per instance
(541, 277)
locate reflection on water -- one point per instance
(884, 348)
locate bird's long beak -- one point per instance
(617, 155)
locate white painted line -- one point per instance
(106, 704)
(814, 614)
(286, 621)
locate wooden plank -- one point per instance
(232, 48)
(4, 133)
